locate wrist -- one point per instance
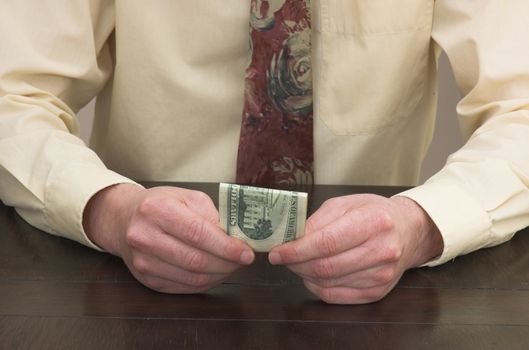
(427, 242)
(107, 213)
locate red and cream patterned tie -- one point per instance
(276, 142)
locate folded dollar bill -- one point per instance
(262, 217)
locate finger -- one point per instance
(192, 229)
(151, 266)
(177, 253)
(341, 295)
(347, 232)
(363, 257)
(330, 211)
(375, 277)
(334, 208)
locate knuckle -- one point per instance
(196, 233)
(290, 254)
(383, 221)
(148, 206)
(331, 202)
(371, 295)
(310, 225)
(136, 239)
(385, 276)
(324, 269)
(326, 203)
(199, 281)
(156, 205)
(328, 295)
(201, 197)
(327, 243)
(391, 253)
(155, 284)
(140, 265)
(231, 250)
(195, 261)
(327, 283)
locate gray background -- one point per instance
(447, 137)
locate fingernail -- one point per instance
(275, 258)
(246, 257)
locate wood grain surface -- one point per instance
(57, 294)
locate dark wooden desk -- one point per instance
(57, 294)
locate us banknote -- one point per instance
(262, 217)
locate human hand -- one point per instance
(168, 237)
(356, 248)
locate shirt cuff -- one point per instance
(463, 223)
(68, 194)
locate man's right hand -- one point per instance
(169, 237)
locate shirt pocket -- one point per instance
(372, 60)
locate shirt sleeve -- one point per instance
(481, 197)
(55, 57)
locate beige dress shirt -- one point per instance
(169, 76)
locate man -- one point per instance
(170, 84)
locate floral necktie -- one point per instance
(276, 141)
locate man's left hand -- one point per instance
(356, 248)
